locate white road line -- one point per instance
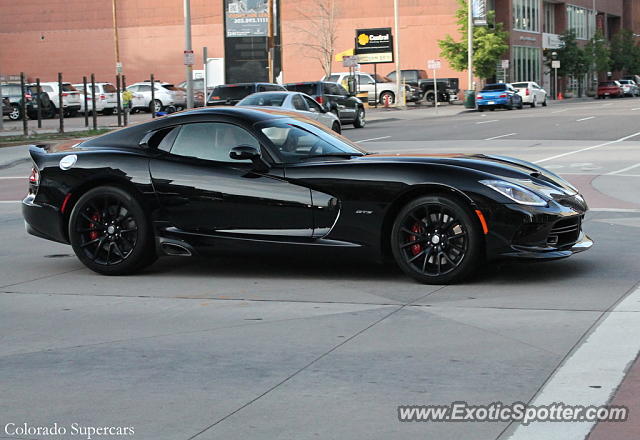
(9, 201)
(486, 122)
(18, 177)
(585, 119)
(498, 137)
(629, 210)
(623, 170)
(606, 105)
(622, 139)
(560, 111)
(373, 139)
(634, 109)
(591, 374)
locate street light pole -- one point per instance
(470, 45)
(400, 98)
(270, 43)
(188, 49)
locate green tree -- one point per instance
(597, 53)
(489, 44)
(625, 54)
(573, 60)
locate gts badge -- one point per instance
(363, 211)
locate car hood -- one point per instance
(498, 167)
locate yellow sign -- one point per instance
(363, 39)
(346, 53)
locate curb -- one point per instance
(13, 163)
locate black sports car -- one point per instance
(223, 178)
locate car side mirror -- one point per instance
(247, 152)
(244, 152)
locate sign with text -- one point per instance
(555, 64)
(479, 11)
(374, 45)
(188, 58)
(433, 64)
(350, 61)
(247, 18)
(505, 64)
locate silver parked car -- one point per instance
(629, 87)
(297, 102)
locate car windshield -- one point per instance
(332, 78)
(231, 92)
(264, 99)
(308, 88)
(494, 87)
(381, 79)
(520, 85)
(296, 140)
(608, 84)
(68, 88)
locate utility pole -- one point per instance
(400, 98)
(270, 42)
(188, 52)
(470, 45)
(116, 40)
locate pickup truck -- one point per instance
(376, 84)
(447, 87)
(502, 95)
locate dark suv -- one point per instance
(335, 99)
(6, 107)
(11, 91)
(231, 94)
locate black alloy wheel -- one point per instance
(436, 240)
(109, 232)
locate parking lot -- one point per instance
(328, 345)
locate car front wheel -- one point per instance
(360, 120)
(436, 240)
(109, 232)
(15, 114)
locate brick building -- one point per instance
(76, 37)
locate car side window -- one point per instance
(365, 80)
(298, 103)
(312, 104)
(144, 88)
(212, 141)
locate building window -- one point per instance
(582, 21)
(525, 64)
(549, 25)
(526, 15)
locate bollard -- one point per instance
(23, 105)
(124, 102)
(152, 104)
(39, 102)
(60, 104)
(86, 103)
(118, 100)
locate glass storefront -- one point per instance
(526, 15)
(526, 64)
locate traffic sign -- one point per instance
(433, 64)
(505, 64)
(555, 64)
(350, 61)
(189, 58)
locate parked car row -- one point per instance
(617, 88)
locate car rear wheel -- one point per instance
(533, 103)
(436, 240)
(544, 103)
(360, 120)
(109, 232)
(15, 114)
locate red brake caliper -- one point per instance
(415, 248)
(94, 234)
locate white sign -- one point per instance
(555, 64)
(505, 64)
(433, 64)
(118, 68)
(372, 58)
(349, 61)
(188, 58)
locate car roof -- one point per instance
(252, 114)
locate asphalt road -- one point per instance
(327, 347)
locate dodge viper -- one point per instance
(231, 178)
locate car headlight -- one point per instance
(517, 193)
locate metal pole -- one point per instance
(93, 102)
(125, 105)
(116, 40)
(152, 107)
(270, 43)
(555, 87)
(375, 83)
(187, 47)
(39, 103)
(23, 106)
(435, 89)
(470, 46)
(86, 101)
(205, 57)
(119, 100)
(1, 105)
(396, 29)
(60, 104)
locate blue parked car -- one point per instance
(502, 95)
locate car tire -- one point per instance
(437, 240)
(544, 103)
(155, 105)
(16, 113)
(429, 97)
(108, 111)
(336, 127)
(533, 103)
(480, 108)
(359, 121)
(392, 97)
(510, 105)
(110, 233)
